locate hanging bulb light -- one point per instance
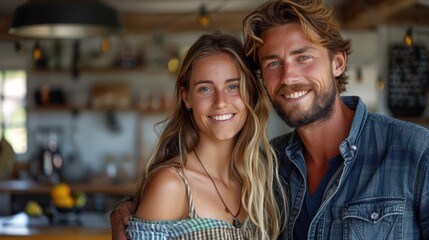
(408, 40)
(203, 16)
(37, 52)
(105, 45)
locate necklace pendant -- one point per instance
(236, 223)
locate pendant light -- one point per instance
(64, 19)
(408, 40)
(203, 16)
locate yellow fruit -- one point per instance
(63, 202)
(60, 190)
(33, 209)
(79, 199)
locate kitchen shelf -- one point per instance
(102, 70)
(89, 70)
(28, 187)
(70, 108)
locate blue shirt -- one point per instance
(312, 203)
(381, 191)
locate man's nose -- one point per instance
(289, 74)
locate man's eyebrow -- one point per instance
(269, 57)
(302, 50)
(294, 52)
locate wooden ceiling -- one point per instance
(366, 14)
(353, 15)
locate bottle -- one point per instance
(47, 167)
(52, 159)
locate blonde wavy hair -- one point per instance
(253, 159)
(313, 17)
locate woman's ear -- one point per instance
(339, 63)
(185, 98)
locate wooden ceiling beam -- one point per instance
(167, 22)
(354, 14)
(416, 15)
(370, 13)
(5, 22)
(186, 22)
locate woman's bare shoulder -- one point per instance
(164, 198)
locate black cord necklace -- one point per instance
(235, 221)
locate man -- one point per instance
(350, 174)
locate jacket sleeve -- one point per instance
(422, 190)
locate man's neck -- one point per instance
(322, 140)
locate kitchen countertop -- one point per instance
(10, 190)
(91, 225)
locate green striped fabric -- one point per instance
(191, 228)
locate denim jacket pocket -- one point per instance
(374, 218)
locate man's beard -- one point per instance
(322, 109)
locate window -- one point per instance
(12, 109)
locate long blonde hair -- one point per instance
(253, 159)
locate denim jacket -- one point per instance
(381, 191)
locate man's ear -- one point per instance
(339, 61)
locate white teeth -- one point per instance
(222, 117)
(296, 95)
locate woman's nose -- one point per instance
(221, 99)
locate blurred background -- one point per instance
(83, 82)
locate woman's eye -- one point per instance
(233, 88)
(204, 89)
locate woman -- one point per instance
(212, 171)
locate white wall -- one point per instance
(364, 58)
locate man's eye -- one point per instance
(303, 58)
(273, 64)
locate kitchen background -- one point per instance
(96, 100)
